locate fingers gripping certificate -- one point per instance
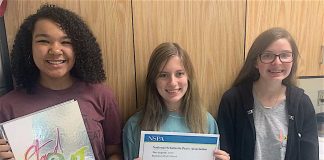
(177, 146)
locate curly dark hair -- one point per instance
(88, 65)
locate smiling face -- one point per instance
(276, 70)
(172, 82)
(52, 51)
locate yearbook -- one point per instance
(55, 133)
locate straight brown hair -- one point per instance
(154, 112)
(249, 73)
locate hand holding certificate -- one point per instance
(177, 146)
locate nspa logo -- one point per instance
(156, 138)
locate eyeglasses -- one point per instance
(269, 57)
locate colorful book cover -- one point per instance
(55, 133)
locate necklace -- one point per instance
(172, 109)
(265, 101)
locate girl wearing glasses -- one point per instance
(264, 116)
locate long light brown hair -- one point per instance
(154, 112)
(249, 73)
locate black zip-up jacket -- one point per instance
(237, 131)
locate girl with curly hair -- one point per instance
(55, 58)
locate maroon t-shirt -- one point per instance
(97, 104)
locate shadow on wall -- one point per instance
(5, 73)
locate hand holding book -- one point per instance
(55, 132)
(5, 151)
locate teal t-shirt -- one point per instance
(174, 123)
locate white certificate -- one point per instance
(177, 146)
